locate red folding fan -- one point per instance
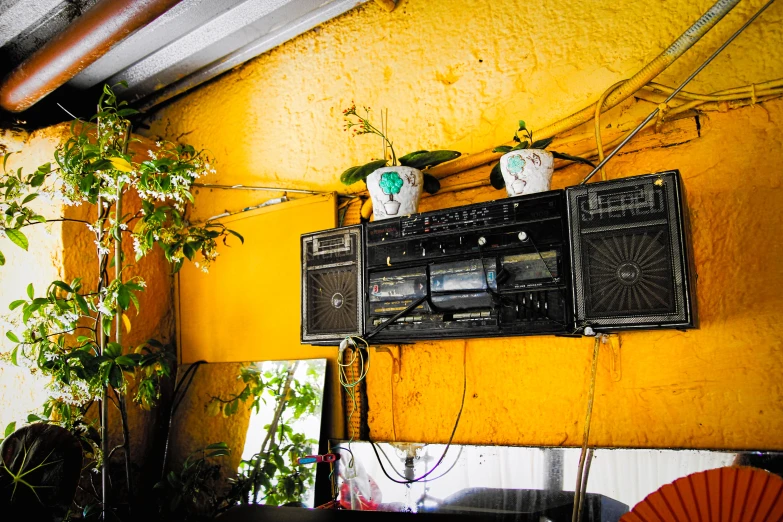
(735, 494)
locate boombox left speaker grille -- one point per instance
(630, 255)
(331, 285)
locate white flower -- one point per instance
(102, 308)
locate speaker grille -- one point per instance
(629, 252)
(629, 273)
(331, 307)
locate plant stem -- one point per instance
(281, 404)
(31, 223)
(118, 331)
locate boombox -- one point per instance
(601, 257)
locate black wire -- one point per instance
(396, 316)
(391, 465)
(445, 451)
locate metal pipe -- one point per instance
(78, 46)
(265, 189)
(675, 92)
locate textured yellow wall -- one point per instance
(21, 392)
(459, 75)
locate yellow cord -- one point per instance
(597, 118)
(586, 436)
(348, 384)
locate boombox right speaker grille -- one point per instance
(630, 255)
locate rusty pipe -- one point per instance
(88, 38)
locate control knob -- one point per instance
(522, 236)
(482, 241)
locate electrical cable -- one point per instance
(586, 436)
(451, 438)
(391, 465)
(348, 384)
(583, 489)
(676, 91)
(597, 119)
(645, 75)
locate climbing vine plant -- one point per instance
(71, 331)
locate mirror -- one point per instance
(236, 431)
(511, 481)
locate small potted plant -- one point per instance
(526, 168)
(395, 189)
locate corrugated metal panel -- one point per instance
(186, 46)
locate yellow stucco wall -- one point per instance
(459, 75)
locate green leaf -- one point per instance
(34, 418)
(16, 304)
(29, 198)
(347, 176)
(82, 304)
(233, 233)
(124, 360)
(496, 177)
(116, 379)
(521, 145)
(522, 125)
(123, 297)
(431, 183)
(10, 429)
(14, 356)
(30, 291)
(5, 159)
(427, 159)
(409, 157)
(37, 180)
(12, 336)
(217, 445)
(541, 144)
(17, 237)
(354, 174)
(568, 157)
(62, 286)
(189, 251)
(113, 350)
(502, 148)
(2, 259)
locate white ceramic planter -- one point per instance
(527, 171)
(395, 191)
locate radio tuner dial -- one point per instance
(523, 236)
(482, 241)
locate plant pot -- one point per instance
(395, 191)
(527, 171)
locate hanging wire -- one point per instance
(581, 478)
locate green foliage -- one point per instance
(65, 333)
(420, 159)
(17, 191)
(192, 493)
(525, 141)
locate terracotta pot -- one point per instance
(395, 191)
(527, 171)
